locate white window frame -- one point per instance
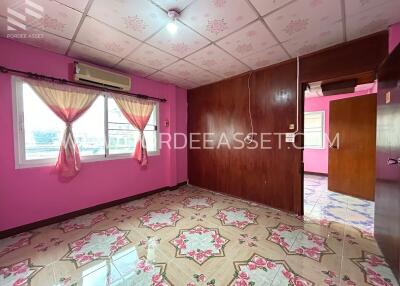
(19, 133)
(323, 129)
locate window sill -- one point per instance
(84, 159)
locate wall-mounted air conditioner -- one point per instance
(92, 75)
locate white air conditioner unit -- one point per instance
(88, 74)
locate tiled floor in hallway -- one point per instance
(194, 237)
(327, 207)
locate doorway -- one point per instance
(339, 154)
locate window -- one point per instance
(314, 129)
(122, 136)
(101, 133)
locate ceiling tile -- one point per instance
(216, 60)
(152, 57)
(304, 18)
(253, 38)
(164, 77)
(266, 57)
(168, 78)
(330, 36)
(75, 4)
(188, 71)
(266, 6)
(186, 84)
(373, 20)
(49, 16)
(94, 56)
(358, 6)
(178, 5)
(137, 18)
(105, 38)
(138, 69)
(184, 42)
(43, 40)
(215, 19)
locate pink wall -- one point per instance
(394, 36)
(29, 195)
(316, 160)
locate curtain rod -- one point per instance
(68, 82)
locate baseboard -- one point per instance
(57, 219)
(315, 174)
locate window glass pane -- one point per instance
(116, 120)
(89, 130)
(122, 142)
(43, 129)
(313, 139)
(123, 136)
(313, 129)
(312, 122)
(151, 140)
(153, 117)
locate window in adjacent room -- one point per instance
(314, 129)
(101, 133)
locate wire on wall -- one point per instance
(249, 138)
(297, 96)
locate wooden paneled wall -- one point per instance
(270, 176)
(351, 58)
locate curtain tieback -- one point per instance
(69, 141)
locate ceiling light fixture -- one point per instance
(171, 26)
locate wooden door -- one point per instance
(387, 194)
(351, 163)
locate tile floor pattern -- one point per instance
(192, 236)
(328, 207)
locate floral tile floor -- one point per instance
(192, 236)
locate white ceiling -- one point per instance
(216, 39)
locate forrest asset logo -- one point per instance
(19, 16)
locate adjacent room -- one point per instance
(339, 151)
(199, 142)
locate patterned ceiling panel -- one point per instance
(304, 18)
(373, 20)
(184, 42)
(49, 16)
(92, 55)
(46, 40)
(132, 67)
(266, 6)
(217, 18)
(152, 57)
(251, 39)
(266, 57)
(168, 78)
(215, 39)
(216, 60)
(75, 4)
(165, 77)
(92, 33)
(178, 5)
(358, 6)
(328, 36)
(137, 18)
(190, 72)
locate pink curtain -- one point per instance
(138, 113)
(68, 103)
